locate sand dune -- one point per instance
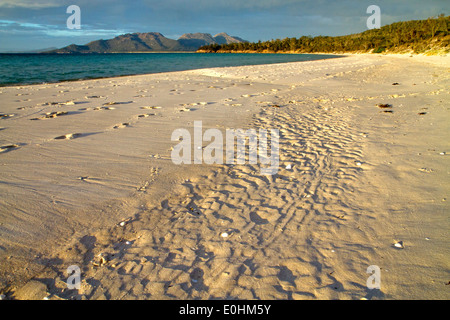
(92, 184)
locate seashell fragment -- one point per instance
(399, 245)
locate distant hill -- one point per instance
(193, 41)
(149, 42)
(417, 36)
(223, 38)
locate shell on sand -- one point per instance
(399, 244)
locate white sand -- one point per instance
(359, 180)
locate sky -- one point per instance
(37, 24)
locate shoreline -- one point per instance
(118, 76)
(308, 233)
(343, 54)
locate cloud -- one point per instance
(29, 4)
(14, 27)
(85, 33)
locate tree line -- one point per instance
(416, 35)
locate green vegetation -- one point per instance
(417, 36)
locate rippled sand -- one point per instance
(87, 180)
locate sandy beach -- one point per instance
(87, 179)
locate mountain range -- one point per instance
(149, 42)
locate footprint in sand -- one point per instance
(257, 219)
(113, 103)
(55, 114)
(197, 276)
(122, 125)
(146, 115)
(150, 107)
(8, 147)
(384, 106)
(48, 104)
(52, 115)
(103, 108)
(69, 136)
(94, 97)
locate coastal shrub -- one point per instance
(379, 50)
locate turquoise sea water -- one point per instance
(46, 68)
